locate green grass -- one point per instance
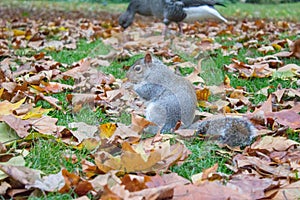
(117, 66)
(287, 11)
(83, 50)
(74, 5)
(49, 156)
(204, 155)
(56, 196)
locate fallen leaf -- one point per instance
(22, 174)
(83, 130)
(71, 181)
(270, 143)
(20, 126)
(107, 130)
(7, 108)
(290, 191)
(209, 191)
(50, 183)
(7, 134)
(14, 161)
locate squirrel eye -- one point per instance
(138, 68)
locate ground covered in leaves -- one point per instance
(70, 128)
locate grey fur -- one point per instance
(170, 97)
(228, 130)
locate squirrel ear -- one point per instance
(148, 58)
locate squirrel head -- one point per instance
(126, 19)
(140, 69)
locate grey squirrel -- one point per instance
(171, 98)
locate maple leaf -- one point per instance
(36, 112)
(7, 108)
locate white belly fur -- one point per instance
(201, 13)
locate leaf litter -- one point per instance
(123, 165)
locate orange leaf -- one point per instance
(133, 183)
(83, 188)
(203, 94)
(109, 195)
(138, 123)
(71, 180)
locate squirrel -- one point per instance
(171, 98)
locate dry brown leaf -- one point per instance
(279, 94)
(4, 186)
(20, 126)
(263, 167)
(288, 118)
(134, 183)
(194, 77)
(124, 132)
(78, 99)
(83, 187)
(162, 192)
(289, 67)
(289, 191)
(208, 191)
(21, 174)
(89, 168)
(52, 100)
(77, 71)
(111, 194)
(270, 144)
(7, 108)
(251, 185)
(50, 183)
(71, 181)
(204, 175)
(46, 125)
(83, 130)
(138, 123)
(296, 48)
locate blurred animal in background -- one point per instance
(172, 11)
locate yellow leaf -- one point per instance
(277, 46)
(37, 112)
(62, 28)
(107, 130)
(1, 91)
(203, 94)
(18, 32)
(203, 104)
(38, 88)
(28, 37)
(127, 162)
(89, 144)
(7, 108)
(227, 81)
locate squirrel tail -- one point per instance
(227, 130)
